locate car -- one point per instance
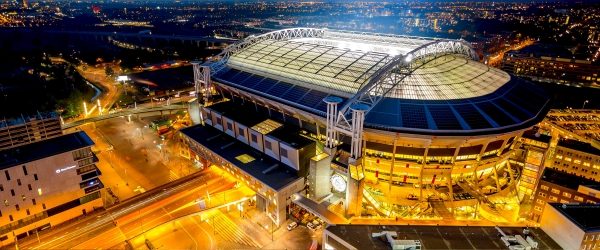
(314, 225)
(292, 226)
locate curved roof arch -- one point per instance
(400, 67)
(278, 35)
(409, 83)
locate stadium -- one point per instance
(365, 124)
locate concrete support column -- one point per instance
(475, 177)
(451, 191)
(421, 173)
(496, 176)
(354, 190)
(358, 119)
(393, 163)
(320, 174)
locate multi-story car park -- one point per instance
(45, 183)
(390, 115)
(24, 129)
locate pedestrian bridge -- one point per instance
(125, 112)
(319, 210)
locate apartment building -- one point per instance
(556, 186)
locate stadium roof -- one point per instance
(413, 84)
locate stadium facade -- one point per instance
(376, 120)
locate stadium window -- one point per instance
(24, 170)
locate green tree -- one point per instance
(109, 71)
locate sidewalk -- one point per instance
(253, 223)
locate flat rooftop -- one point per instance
(262, 167)
(20, 120)
(43, 149)
(566, 180)
(239, 113)
(436, 237)
(579, 146)
(287, 133)
(534, 135)
(291, 136)
(585, 216)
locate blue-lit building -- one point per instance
(387, 114)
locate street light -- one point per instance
(584, 103)
(85, 111)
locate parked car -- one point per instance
(292, 226)
(314, 225)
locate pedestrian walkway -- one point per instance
(229, 231)
(173, 176)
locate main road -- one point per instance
(134, 216)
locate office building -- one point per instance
(45, 183)
(572, 226)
